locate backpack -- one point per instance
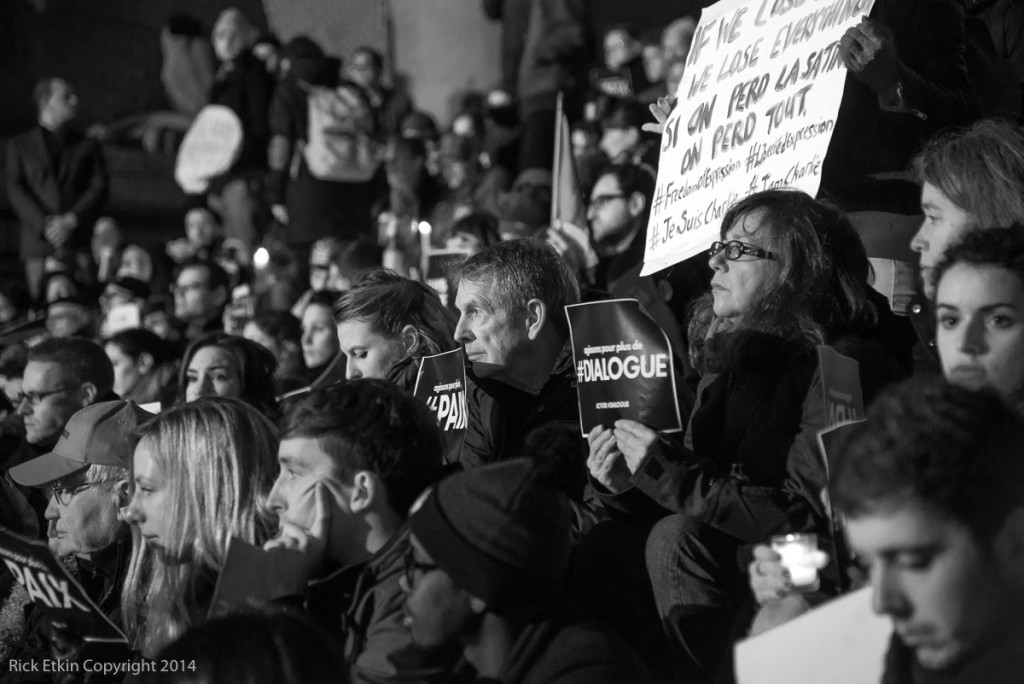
(340, 145)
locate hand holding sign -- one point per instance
(869, 51)
(660, 109)
(635, 441)
(605, 461)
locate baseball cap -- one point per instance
(101, 434)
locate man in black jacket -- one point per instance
(511, 299)
(56, 182)
(932, 489)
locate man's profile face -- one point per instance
(304, 467)
(437, 612)
(50, 401)
(946, 594)
(88, 522)
(193, 299)
(493, 337)
(609, 211)
(61, 106)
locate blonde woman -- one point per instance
(201, 474)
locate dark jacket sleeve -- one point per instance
(88, 203)
(22, 199)
(683, 482)
(933, 66)
(492, 8)
(478, 448)
(565, 32)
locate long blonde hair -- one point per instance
(219, 458)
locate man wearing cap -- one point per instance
(488, 555)
(86, 476)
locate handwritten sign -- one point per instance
(840, 377)
(757, 108)
(54, 591)
(441, 384)
(122, 317)
(624, 366)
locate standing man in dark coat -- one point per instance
(56, 182)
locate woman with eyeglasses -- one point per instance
(790, 273)
(201, 474)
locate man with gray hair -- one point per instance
(87, 477)
(511, 299)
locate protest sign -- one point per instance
(840, 642)
(211, 146)
(55, 592)
(612, 82)
(840, 377)
(440, 262)
(757, 108)
(242, 583)
(624, 366)
(122, 317)
(441, 385)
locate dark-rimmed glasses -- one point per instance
(36, 398)
(599, 201)
(734, 249)
(65, 494)
(412, 565)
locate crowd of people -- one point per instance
(246, 390)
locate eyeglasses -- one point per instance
(734, 249)
(186, 287)
(599, 201)
(36, 398)
(412, 565)
(64, 495)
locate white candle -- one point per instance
(797, 553)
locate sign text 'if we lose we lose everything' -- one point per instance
(757, 108)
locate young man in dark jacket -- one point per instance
(488, 557)
(932, 488)
(354, 456)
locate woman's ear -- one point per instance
(410, 338)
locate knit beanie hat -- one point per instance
(500, 532)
